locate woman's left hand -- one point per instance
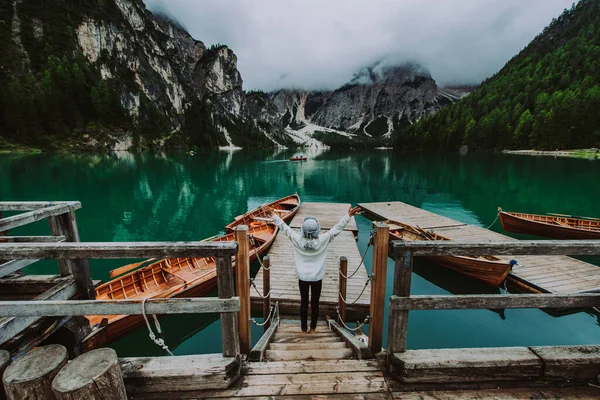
(353, 211)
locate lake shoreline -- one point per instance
(576, 153)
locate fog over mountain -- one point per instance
(315, 44)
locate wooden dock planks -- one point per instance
(284, 281)
(552, 274)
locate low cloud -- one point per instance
(315, 44)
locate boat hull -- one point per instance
(516, 224)
(288, 207)
(488, 269)
(205, 282)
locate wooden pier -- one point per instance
(284, 281)
(536, 273)
(285, 363)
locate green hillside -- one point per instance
(546, 97)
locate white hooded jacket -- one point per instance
(310, 253)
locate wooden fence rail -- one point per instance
(34, 205)
(401, 301)
(60, 308)
(71, 250)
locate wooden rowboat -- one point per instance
(488, 269)
(166, 278)
(552, 226)
(299, 158)
(285, 207)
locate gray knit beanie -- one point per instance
(310, 227)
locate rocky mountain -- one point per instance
(376, 102)
(109, 73)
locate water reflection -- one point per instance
(177, 196)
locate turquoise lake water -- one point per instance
(175, 196)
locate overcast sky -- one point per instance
(315, 44)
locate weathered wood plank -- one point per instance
(466, 365)
(479, 301)
(302, 339)
(116, 250)
(35, 205)
(18, 320)
(117, 307)
(312, 354)
(229, 321)
(179, 373)
(307, 346)
(314, 378)
(361, 349)
(479, 248)
(242, 267)
(380, 253)
(569, 363)
(554, 393)
(328, 215)
(398, 319)
(37, 239)
(32, 216)
(11, 266)
(303, 367)
(258, 351)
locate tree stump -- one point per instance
(30, 377)
(93, 375)
(4, 361)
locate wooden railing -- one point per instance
(226, 304)
(402, 302)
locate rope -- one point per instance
(361, 293)
(251, 238)
(337, 309)
(266, 320)
(159, 341)
(362, 259)
(255, 288)
(497, 215)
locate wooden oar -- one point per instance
(574, 216)
(129, 267)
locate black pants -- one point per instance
(315, 294)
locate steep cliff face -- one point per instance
(159, 84)
(376, 102)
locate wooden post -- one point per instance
(242, 266)
(66, 225)
(30, 377)
(266, 291)
(4, 362)
(3, 233)
(398, 320)
(380, 255)
(229, 323)
(343, 284)
(95, 375)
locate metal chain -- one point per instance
(363, 257)
(159, 341)
(361, 293)
(255, 288)
(337, 309)
(266, 320)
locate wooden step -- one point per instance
(303, 367)
(305, 339)
(313, 354)
(307, 345)
(308, 335)
(293, 328)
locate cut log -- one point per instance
(4, 361)
(94, 375)
(31, 376)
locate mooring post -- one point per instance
(242, 266)
(229, 321)
(380, 254)
(266, 291)
(66, 225)
(398, 320)
(343, 284)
